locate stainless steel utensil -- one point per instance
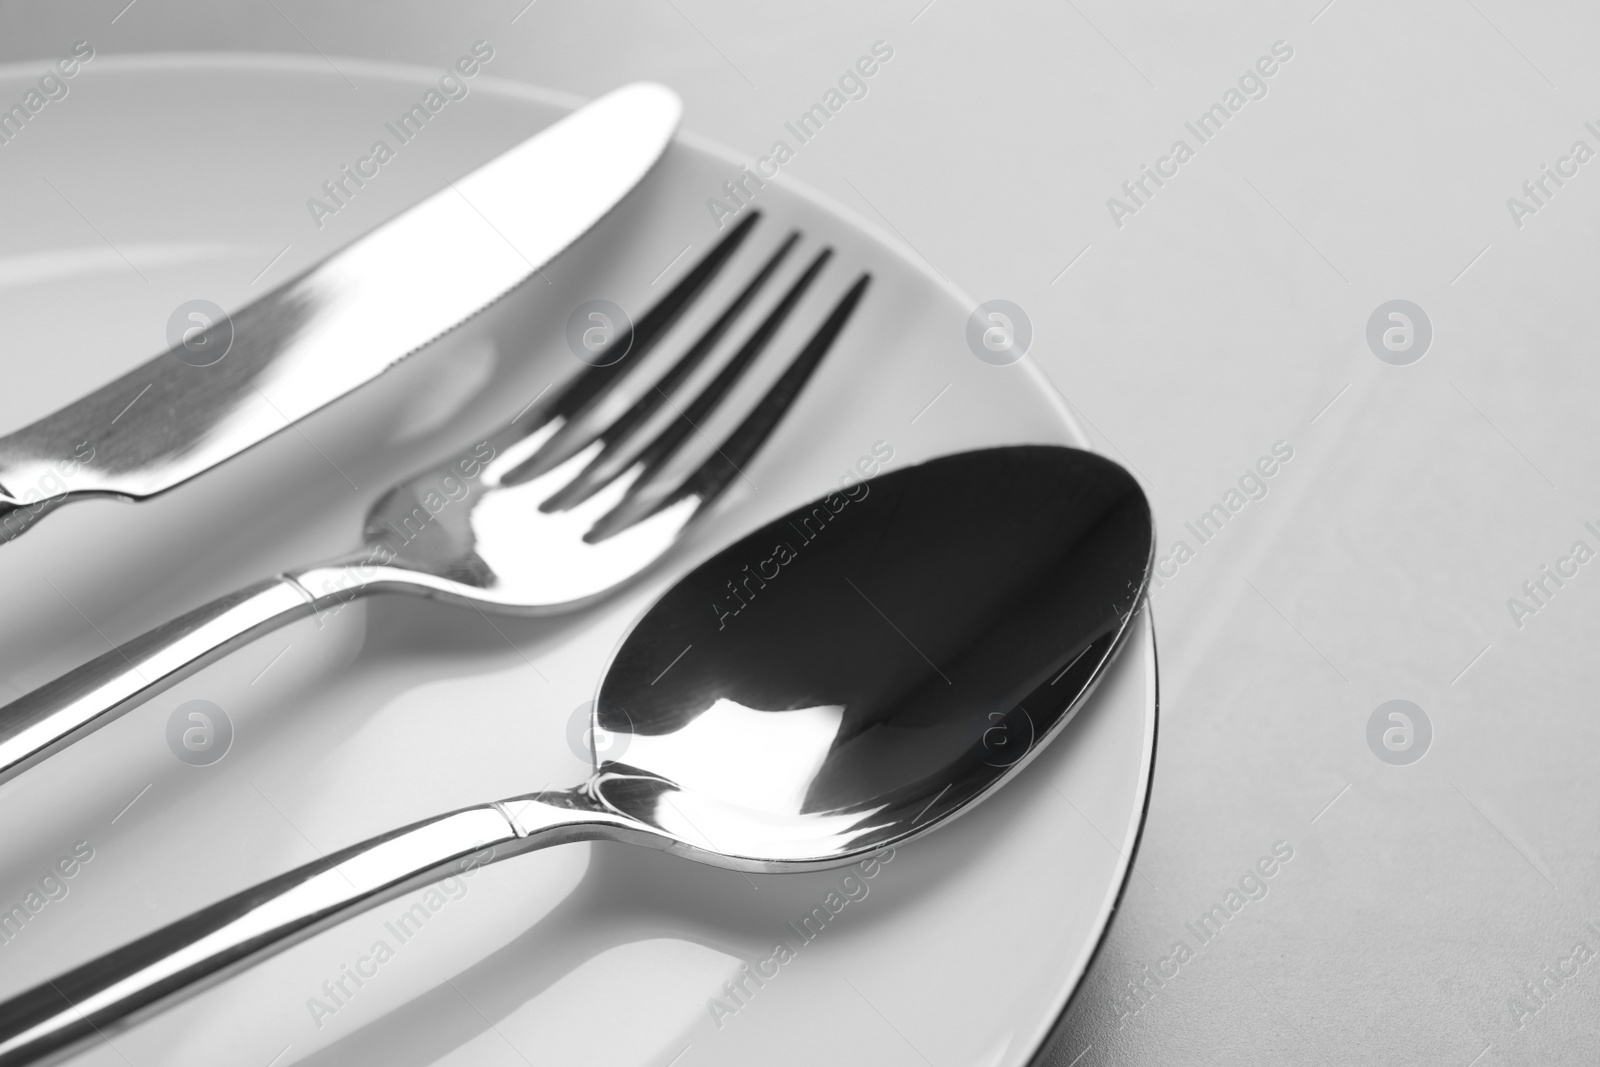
(845, 678)
(342, 322)
(490, 529)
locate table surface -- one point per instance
(1210, 324)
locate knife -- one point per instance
(344, 321)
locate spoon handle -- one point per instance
(182, 958)
(81, 701)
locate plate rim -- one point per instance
(1045, 1046)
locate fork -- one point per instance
(545, 515)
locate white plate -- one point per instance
(159, 180)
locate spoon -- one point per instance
(845, 678)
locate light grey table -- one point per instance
(1430, 911)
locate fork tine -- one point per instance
(587, 389)
(666, 443)
(660, 450)
(604, 467)
(720, 468)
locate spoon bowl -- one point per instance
(854, 673)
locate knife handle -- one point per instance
(60, 712)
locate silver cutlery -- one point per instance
(846, 678)
(234, 382)
(548, 513)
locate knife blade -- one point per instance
(342, 322)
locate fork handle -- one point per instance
(81, 701)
